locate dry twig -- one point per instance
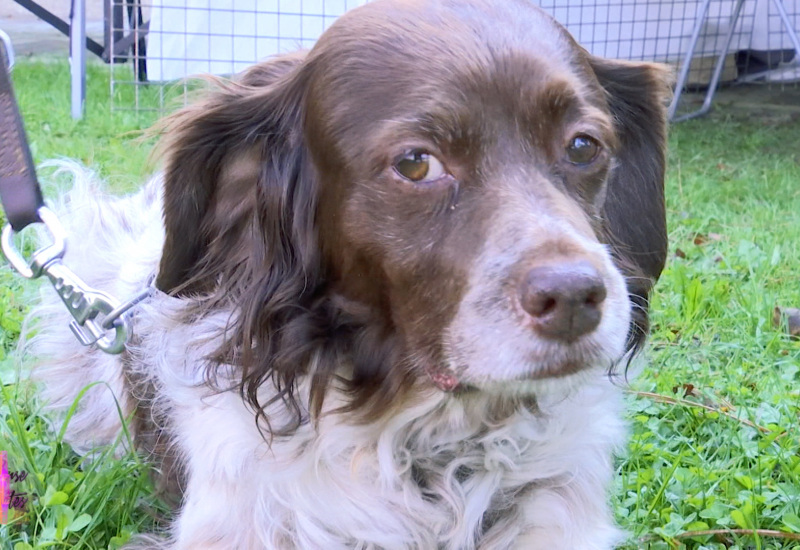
(675, 401)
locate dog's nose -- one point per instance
(563, 300)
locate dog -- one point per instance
(397, 280)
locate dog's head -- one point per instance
(440, 192)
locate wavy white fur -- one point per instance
(439, 473)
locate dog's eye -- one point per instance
(419, 167)
(582, 149)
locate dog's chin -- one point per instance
(538, 384)
(554, 379)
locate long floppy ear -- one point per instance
(240, 199)
(634, 209)
(233, 161)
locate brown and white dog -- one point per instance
(395, 273)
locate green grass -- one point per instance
(715, 443)
(722, 450)
(102, 139)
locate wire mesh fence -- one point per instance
(164, 41)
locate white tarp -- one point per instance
(224, 36)
(661, 30)
(190, 37)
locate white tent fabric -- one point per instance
(224, 36)
(661, 29)
(190, 37)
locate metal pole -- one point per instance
(720, 65)
(687, 61)
(77, 56)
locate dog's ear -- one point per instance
(233, 161)
(634, 211)
(240, 199)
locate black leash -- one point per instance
(99, 319)
(19, 191)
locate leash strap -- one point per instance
(19, 189)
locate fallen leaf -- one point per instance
(702, 238)
(680, 253)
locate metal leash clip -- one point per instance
(99, 319)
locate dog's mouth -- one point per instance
(557, 370)
(452, 380)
